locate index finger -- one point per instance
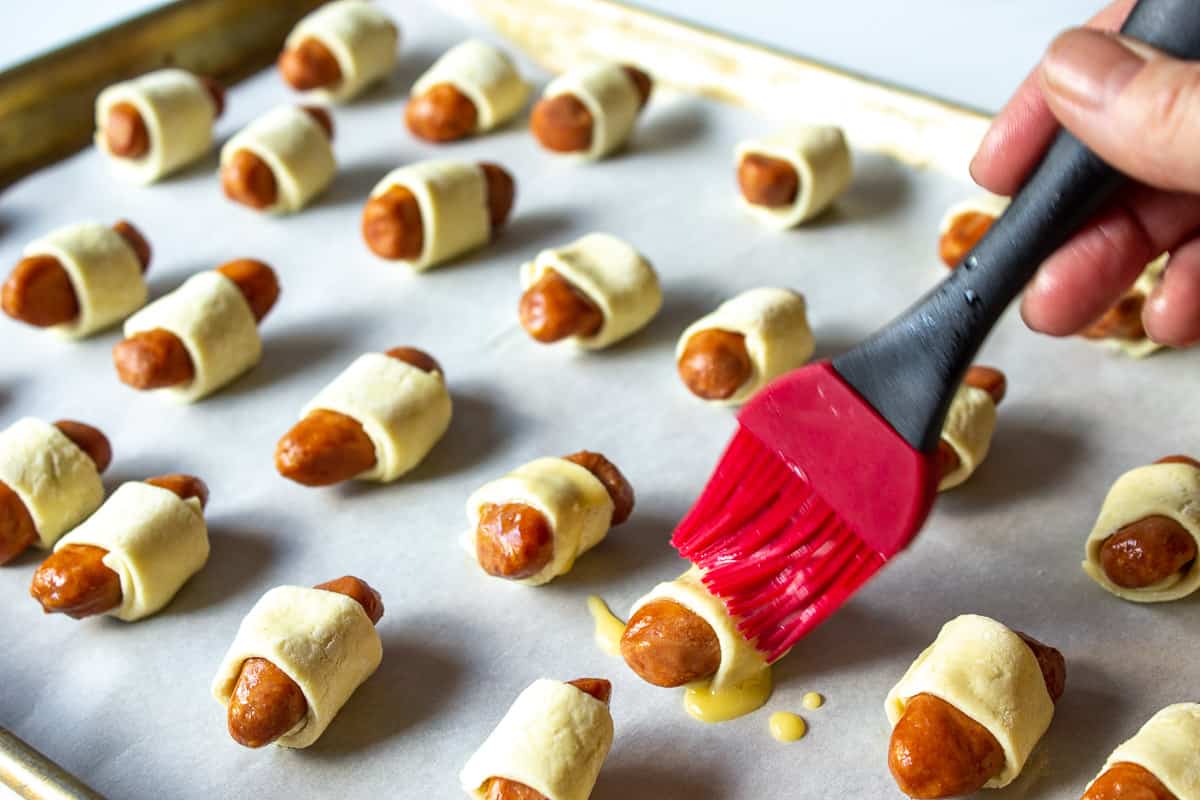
(1022, 131)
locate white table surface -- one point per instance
(973, 52)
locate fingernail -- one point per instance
(1089, 68)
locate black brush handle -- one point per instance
(910, 370)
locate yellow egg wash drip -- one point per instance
(707, 705)
(812, 701)
(609, 627)
(787, 727)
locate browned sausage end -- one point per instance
(248, 180)
(1123, 321)
(134, 238)
(392, 226)
(125, 132)
(938, 751)
(669, 645)
(618, 487)
(417, 358)
(767, 181)
(513, 541)
(324, 448)
(184, 486)
(153, 359)
(17, 529)
(216, 93)
(562, 124)
(965, 231)
(501, 192)
(553, 309)
(322, 117)
(88, 439)
(1147, 552)
(74, 581)
(39, 292)
(256, 281)
(359, 590)
(641, 81)
(989, 379)
(309, 65)
(715, 363)
(1128, 781)
(441, 114)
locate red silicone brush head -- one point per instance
(815, 492)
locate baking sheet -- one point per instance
(127, 707)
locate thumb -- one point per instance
(1136, 107)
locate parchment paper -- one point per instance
(127, 707)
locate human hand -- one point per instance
(1139, 110)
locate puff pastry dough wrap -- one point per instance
(295, 147)
(324, 641)
(1168, 490)
(362, 39)
(1145, 284)
(572, 499)
(609, 95)
(213, 320)
(402, 408)
(775, 325)
(821, 158)
(56, 480)
(453, 199)
(987, 672)
(104, 272)
(485, 75)
(155, 542)
(554, 739)
(740, 660)
(614, 276)
(178, 113)
(1168, 746)
(993, 205)
(968, 429)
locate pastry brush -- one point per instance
(831, 472)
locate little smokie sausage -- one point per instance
(309, 65)
(669, 645)
(619, 489)
(1150, 550)
(766, 181)
(39, 292)
(74, 581)
(563, 123)
(715, 363)
(248, 180)
(392, 225)
(965, 231)
(938, 751)
(441, 114)
(156, 359)
(993, 382)
(505, 789)
(553, 309)
(515, 541)
(1122, 321)
(327, 447)
(1128, 781)
(125, 131)
(266, 703)
(17, 530)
